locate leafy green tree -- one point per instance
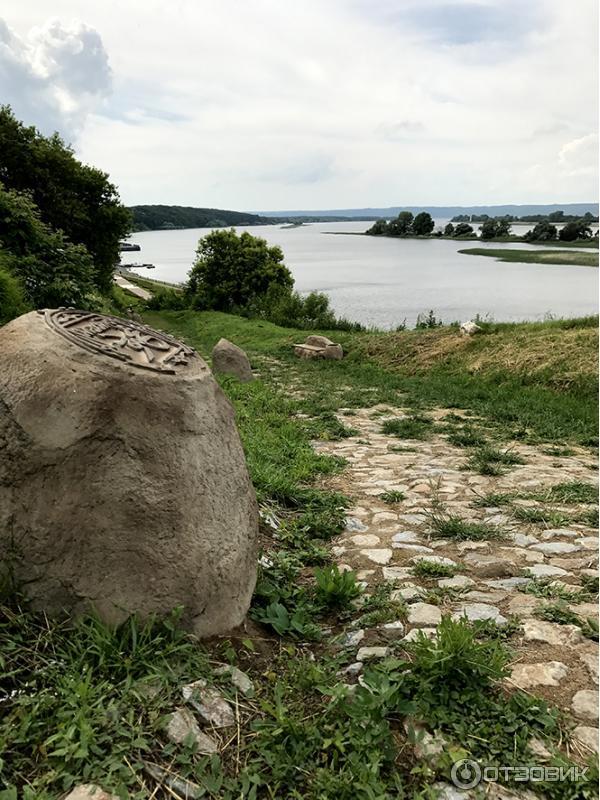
(463, 229)
(12, 299)
(423, 224)
(51, 271)
(495, 228)
(378, 228)
(231, 271)
(449, 229)
(575, 230)
(402, 225)
(556, 216)
(542, 232)
(72, 197)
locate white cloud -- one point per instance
(264, 105)
(580, 156)
(54, 76)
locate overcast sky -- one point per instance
(274, 104)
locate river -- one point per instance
(383, 281)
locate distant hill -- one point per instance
(156, 218)
(440, 211)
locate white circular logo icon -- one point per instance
(465, 773)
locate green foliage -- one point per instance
(423, 224)
(538, 514)
(449, 229)
(463, 229)
(573, 492)
(402, 225)
(392, 497)
(51, 270)
(450, 526)
(71, 197)
(166, 299)
(495, 228)
(335, 589)
(233, 271)
(543, 231)
(489, 460)
(415, 426)
(290, 309)
(429, 569)
(492, 499)
(12, 301)
(466, 436)
(157, 217)
(579, 229)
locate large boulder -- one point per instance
(319, 347)
(229, 359)
(123, 484)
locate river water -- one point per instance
(383, 281)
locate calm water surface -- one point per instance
(381, 281)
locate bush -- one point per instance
(12, 302)
(166, 300)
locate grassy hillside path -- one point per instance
(518, 548)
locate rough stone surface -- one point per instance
(424, 615)
(479, 611)
(229, 359)
(182, 724)
(319, 347)
(369, 653)
(587, 736)
(536, 630)
(238, 678)
(585, 705)
(209, 703)
(548, 674)
(89, 791)
(123, 481)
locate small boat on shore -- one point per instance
(128, 247)
(139, 266)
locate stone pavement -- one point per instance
(382, 542)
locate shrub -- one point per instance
(12, 302)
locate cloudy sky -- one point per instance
(274, 104)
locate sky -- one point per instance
(277, 105)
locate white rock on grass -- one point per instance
(415, 633)
(238, 678)
(585, 705)
(391, 631)
(89, 791)
(409, 593)
(181, 724)
(424, 615)
(550, 673)
(209, 703)
(369, 653)
(352, 638)
(354, 525)
(440, 560)
(479, 611)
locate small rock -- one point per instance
(368, 653)
(585, 705)
(441, 560)
(555, 548)
(464, 547)
(353, 669)
(539, 749)
(546, 674)
(89, 791)
(181, 724)
(415, 633)
(406, 536)
(479, 611)
(555, 533)
(591, 662)
(508, 583)
(490, 566)
(392, 630)
(209, 704)
(470, 328)
(408, 593)
(546, 571)
(354, 525)
(229, 359)
(424, 615)
(414, 548)
(536, 630)
(523, 539)
(380, 556)
(523, 605)
(485, 597)
(238, 678)
(352, 638)
(366, 540)
(587, 736)
(456, 582)
(394, 574)
(444, 791)
(589, 542)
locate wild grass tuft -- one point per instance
(450, 526)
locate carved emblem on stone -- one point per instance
(126, 340)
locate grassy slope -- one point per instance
(536, 379)
(583, 259)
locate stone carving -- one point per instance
(127, 340)
(121, 489)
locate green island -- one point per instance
(583, 259)
(353, 677)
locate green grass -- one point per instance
(450, 526)
(415, 426)
(489, 460)
(429, 570)
(392, 497)
(533, 515)
(584, 259)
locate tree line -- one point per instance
(157, 217)
(61, 222)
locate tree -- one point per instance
(495, 228)
(233, 271)
(72, 197)
(449, 229)
(402, 225)
(575, 230)
(51, 271)
(378, 228)
(463, 229)
(556, 216)
(541, 232)
(423, 224)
